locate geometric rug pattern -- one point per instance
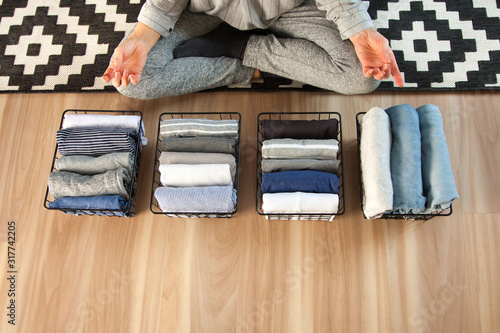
(60, 45)
(442, 44)
(65, 46)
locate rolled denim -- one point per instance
(95, 141)
(406, 166)
(300, 202)
(438, 181)
(199, 127)
(299, 129)
(375, 160)
(210, 199)
(305, 148)
(275, 165)
(90, 165)
(199, 145)
(172, 157)
(103, 202)
(300, 181)
(187, 175)
(70, 184)
(132, 122)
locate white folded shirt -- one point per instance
(300, 202)
(189, 175)
(74, 120)
(172, 157)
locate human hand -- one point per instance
(127, 63)
(130, 56)
(376, 56)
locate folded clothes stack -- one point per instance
(96, 168)
(299, 166)
(405, 163)
(197, 166)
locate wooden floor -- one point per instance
(151, 273)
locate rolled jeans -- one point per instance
(406, 162)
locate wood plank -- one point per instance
(152, 273)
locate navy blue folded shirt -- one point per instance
(300, 181)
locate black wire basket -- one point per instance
(130, 210)
(299, 116)
(154, 206)
(387, 216)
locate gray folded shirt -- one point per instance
(89, 165)
(199, 145)
(276, 165)
(70, 184)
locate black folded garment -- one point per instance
(299, 129)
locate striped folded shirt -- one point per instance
(295, 148)
(199, 127)
(96, 141)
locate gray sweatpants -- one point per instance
(302, 45)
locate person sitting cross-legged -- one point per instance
(180, 47)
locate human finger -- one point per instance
(381, 75)
(108, 74)
(368, 72)
(396, 74)
(125, 79)
(117, 79)
(375, 72)
(135, 78)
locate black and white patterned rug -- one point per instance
(65, 46)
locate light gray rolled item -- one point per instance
(90, 165)
(70, 184)
(375, 159)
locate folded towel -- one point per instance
(104, 202)
(172, 157)
(438, 182)
(95, 142)
(299, 129)
(300, 202)
(199, 127)
(300, 181)
(375, 159)
(69, 184)
(293, 148)
(275, 165)
(90, 165)
(72, 120)
(187, 175)
(406, 165)
(210, 199)
(199, 145)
